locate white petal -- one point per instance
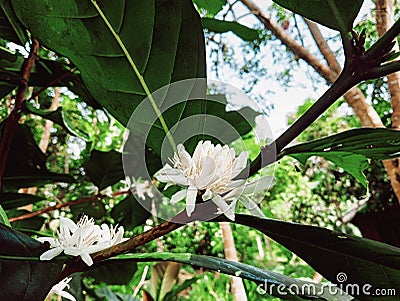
(191, 196)
(185, 158)
(260, 184)
(86, 258)
(169, 174)
(50, 254)
(178, 196)
(67, 296)
(66, 223)
(240, 164)
(73, 251)
(207, 172)
(52, 241)
(224, 207)
(251, 206)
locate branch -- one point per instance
(345, 81)
(385, 43)
(323, 46)
(7, 133)
(59, 206)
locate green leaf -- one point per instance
(172, 294)
(163, 278)
(212, 7)
(12, 200)
(129, 213)
(164, 39)
(222, 26)
(320, 11)
(104, 168)
(118, 272)
(26, 163)
(105, 293)
(351, 149)
(363, 261)
(20, 279)
(10, 28)
(35, 223)
(3, 217)
(244, 271)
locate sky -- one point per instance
(284, 101)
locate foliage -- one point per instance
(99, 63)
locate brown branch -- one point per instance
(10, 123)
(59, 206)
(323, 46)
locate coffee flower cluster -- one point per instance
(81, 239)
(212, 171)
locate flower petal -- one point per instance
(67, 295)
(226, 209)
(86, 258)
(191, 200)
(207, 195)
(50, 254)
(178, 196)
(260, 184)
(240, 164)
(251, 206)
(66, 223)
(168, 174)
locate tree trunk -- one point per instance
(238, 291)
(384, 20)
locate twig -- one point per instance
(58, 206)
(141, 282)
(10, 123)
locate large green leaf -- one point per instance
(222, 26)
(104, 168)
(116, 272)
(363, 261)
(164, 275)
(351, 149)
(164, 39)
(26, 163)
(11, 200)
(129, 213)
(245, 271)
(10, 28)
(320, 12)
(20, 279)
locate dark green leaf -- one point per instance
(10, 27)
(129, 213)
(34, 223)
(363, 261)
(26, 163)
(172, 294)
(104, 168)
(351, 149)
(320, 12)
(241, 270)
(212, 7)
(24, 280)
(164, 39)
(118, 272)
(221, 26)
(95, 209)
(11, 200)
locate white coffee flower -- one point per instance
(212, 170)
(81, 239)
(59, 289)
